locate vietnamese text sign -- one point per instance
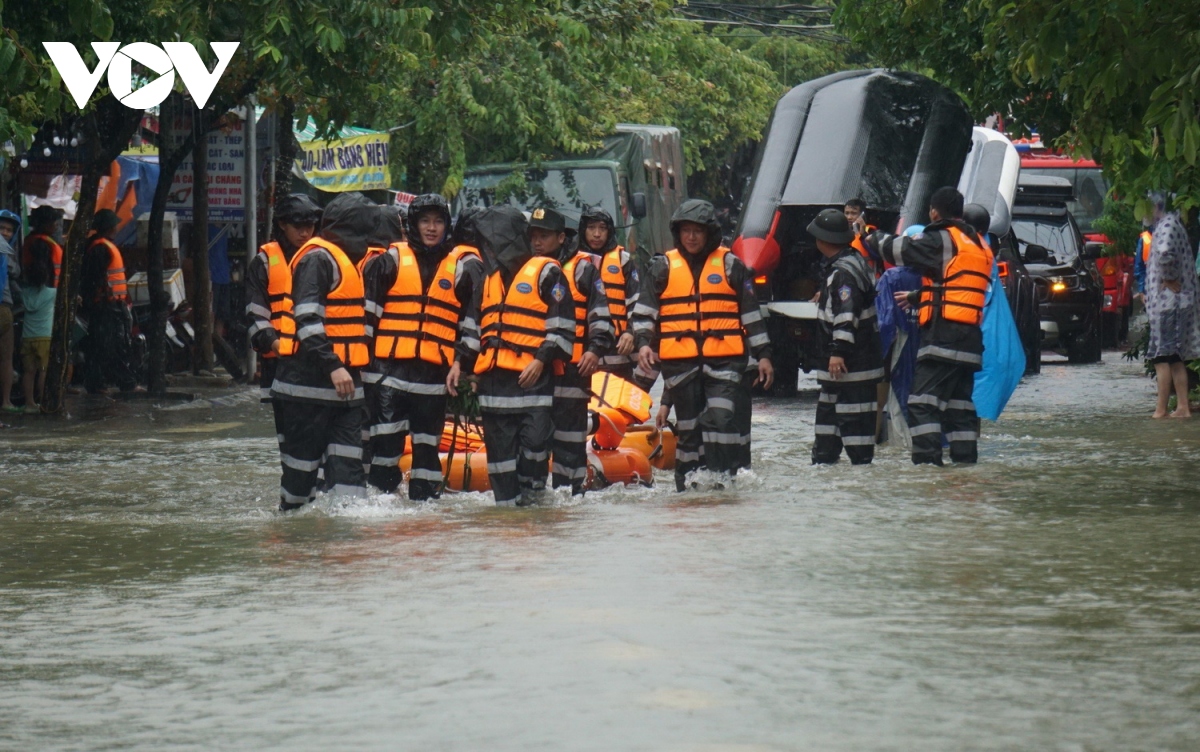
(226, 176)
(359, 163)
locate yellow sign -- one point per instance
(359, 163)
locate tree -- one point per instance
(1114, 80)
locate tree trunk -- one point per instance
(169, 158)
(107, 131)
(286, 148)
(202, 314)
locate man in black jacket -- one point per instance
(413, 353)
(268, 286)
(850, 336)
(516, 404)
(320, 387)
(698, 315)
(548, 236)
(957, 270)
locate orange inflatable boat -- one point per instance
(624, 449)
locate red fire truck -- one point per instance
(1088, 205)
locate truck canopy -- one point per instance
(888, 137)
(989, 176)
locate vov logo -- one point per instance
(166, 61)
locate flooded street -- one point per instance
(1048, 598)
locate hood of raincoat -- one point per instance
(702, 213)
(350, 221)
(390, 228)
(503, 234)
(428, 202)
(597, 214)
(464, 227)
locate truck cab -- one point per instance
(637, 175)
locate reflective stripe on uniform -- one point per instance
(958, 356)
(494, 402)
(570, 392)
(387, 429)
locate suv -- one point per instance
(1070, 291)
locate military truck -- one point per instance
(637, 175)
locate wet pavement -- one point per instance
(1048, 598)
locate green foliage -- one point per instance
(528, 80)
(1119, 225)
(1114, 80)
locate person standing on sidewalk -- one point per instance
(102, 284)
(1171, 302)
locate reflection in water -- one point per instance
(1044, 599)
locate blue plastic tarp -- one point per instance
(1003, 354)
(892, 322)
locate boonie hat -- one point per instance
(831, 226)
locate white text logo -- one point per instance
(166, 60)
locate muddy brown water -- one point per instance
(1048, 598)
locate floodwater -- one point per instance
(1048, 598)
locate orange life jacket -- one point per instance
(512, 321)
(279, 295)
(1146, 239)
(960, 296)
(418, 323)
(370, 254)
(580, 299)
(117, 289)
(56, 254)
(345, 314)
(699, 319)
(612, 276)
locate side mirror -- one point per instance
(1036, 254)
(637, 205)
(1092, 251)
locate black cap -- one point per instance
(831, 226)
(105, 220)
(548, 219)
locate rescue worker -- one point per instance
(527, 322)
(855, 211)
(1141, 259)
(850, 336)
(548, 236)
(416, 294)
(105, 301)
(269, 316)
(980, 219)
(46, 225)
(957, 270)
(319, 385)
(619, 275)
(697, 315)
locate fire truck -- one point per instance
(1086, 207)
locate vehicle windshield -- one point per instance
(1057, 236)
(567, 190)
(1090, 189)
